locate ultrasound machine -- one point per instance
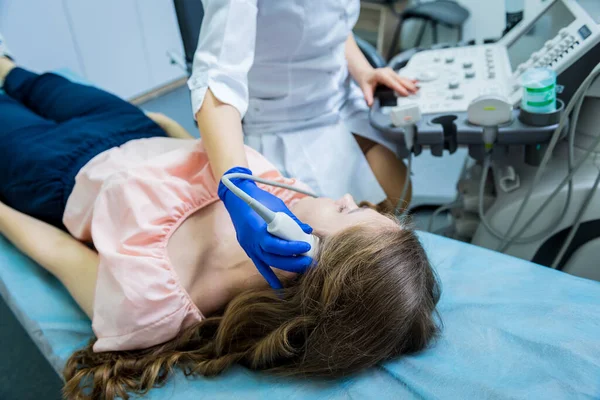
(530, 185)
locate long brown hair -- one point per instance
(371, 298)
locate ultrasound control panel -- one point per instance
(451, 78)
(558, 35)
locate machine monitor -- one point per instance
(545, 28)
(563, 35)
(592, 7)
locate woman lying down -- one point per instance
(168, 285)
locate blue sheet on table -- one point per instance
(512, 329)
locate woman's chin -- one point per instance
(299, 207)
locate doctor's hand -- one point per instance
(370, 79)
(264, 249)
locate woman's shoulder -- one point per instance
(139, 300)
(152, 199)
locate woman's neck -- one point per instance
(209, 262)
(221, 285)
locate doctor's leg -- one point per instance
(391, 173)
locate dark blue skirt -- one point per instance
(49, 129)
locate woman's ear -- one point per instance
(368, 205)
(385, 207)
(320, 233)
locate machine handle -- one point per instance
(284, 227)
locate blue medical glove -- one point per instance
(264, 249)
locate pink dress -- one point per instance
(128, 201)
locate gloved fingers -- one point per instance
(305, 227)
(267, 273)
(274, 245)
(223, 190)
(291, 264)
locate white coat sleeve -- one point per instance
(225, 53)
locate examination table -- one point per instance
(511, 330)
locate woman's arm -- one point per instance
(171, 127)
(70, 261)
(368, 77)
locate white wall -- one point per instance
(39, 35)
(487, 19)
(118, 45)
(160, 31)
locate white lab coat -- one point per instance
(282, 64)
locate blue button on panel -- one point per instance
(584, 32)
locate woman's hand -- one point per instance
(371, 78)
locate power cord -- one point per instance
(581, 92)
(440, 210)
(575, 227)
(499, 235)
(448, 206)
(402, 202)
(570, 157)
(559, 187)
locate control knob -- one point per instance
(427, 76)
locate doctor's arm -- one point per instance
(220, 95)
(368, 78)
(219, 81)
(220, 125)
